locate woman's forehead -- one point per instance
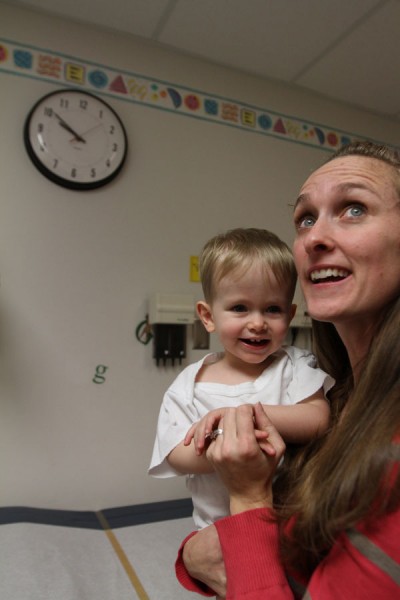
(351, 172)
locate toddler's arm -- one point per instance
(297, 423)
(300, 423)
(188, 457)
(184, 459)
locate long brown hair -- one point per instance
(349, 475)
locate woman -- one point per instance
(330, 524)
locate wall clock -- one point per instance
(75, 139)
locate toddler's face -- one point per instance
(251, 313)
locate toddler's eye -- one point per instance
(274, 309)
(238, 308)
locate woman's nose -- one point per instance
(319, 238)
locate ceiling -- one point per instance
(347, 50)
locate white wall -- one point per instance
(76, 269)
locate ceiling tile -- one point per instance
(364, 69)
(273, 38)
(139, 17)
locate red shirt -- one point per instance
(363, 564)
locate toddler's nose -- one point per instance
(257, 322)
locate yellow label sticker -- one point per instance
(194, 268)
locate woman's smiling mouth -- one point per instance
(330, 274)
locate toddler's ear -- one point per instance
(205, 315)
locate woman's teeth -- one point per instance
(329, 274)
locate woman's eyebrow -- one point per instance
(299, 200)
(342, 188)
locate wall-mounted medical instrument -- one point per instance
(169, 314)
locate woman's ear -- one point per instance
(205, 315)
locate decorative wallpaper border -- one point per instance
(47, 65)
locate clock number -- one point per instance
(93, 173)
(100, 114)
(40, 127)
(114, 147)
(73, 173)
(112, 129)
(55, 163)
(64, 103)
(108, 162)
(48, 111)
(83, 104)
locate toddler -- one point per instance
(248, 279)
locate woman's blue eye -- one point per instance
(305, 222)
(356, 210)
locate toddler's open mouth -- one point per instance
(254, 342)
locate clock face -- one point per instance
(75, 139)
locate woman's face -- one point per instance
(347, 246)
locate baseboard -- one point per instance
(125, 516)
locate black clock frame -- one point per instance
(73, 185)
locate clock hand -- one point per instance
(77, 137)
(89, 131)
(65, 125)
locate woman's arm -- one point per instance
(245, 464)
(237, 558)
(364, 562)
(200, 565)
(247, 472)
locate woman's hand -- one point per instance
(245, 464)
(201, 430)
(202, 557)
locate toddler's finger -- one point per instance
(260, 434)
(189, 435)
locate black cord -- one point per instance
(143, 331)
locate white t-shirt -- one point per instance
(290, 378)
